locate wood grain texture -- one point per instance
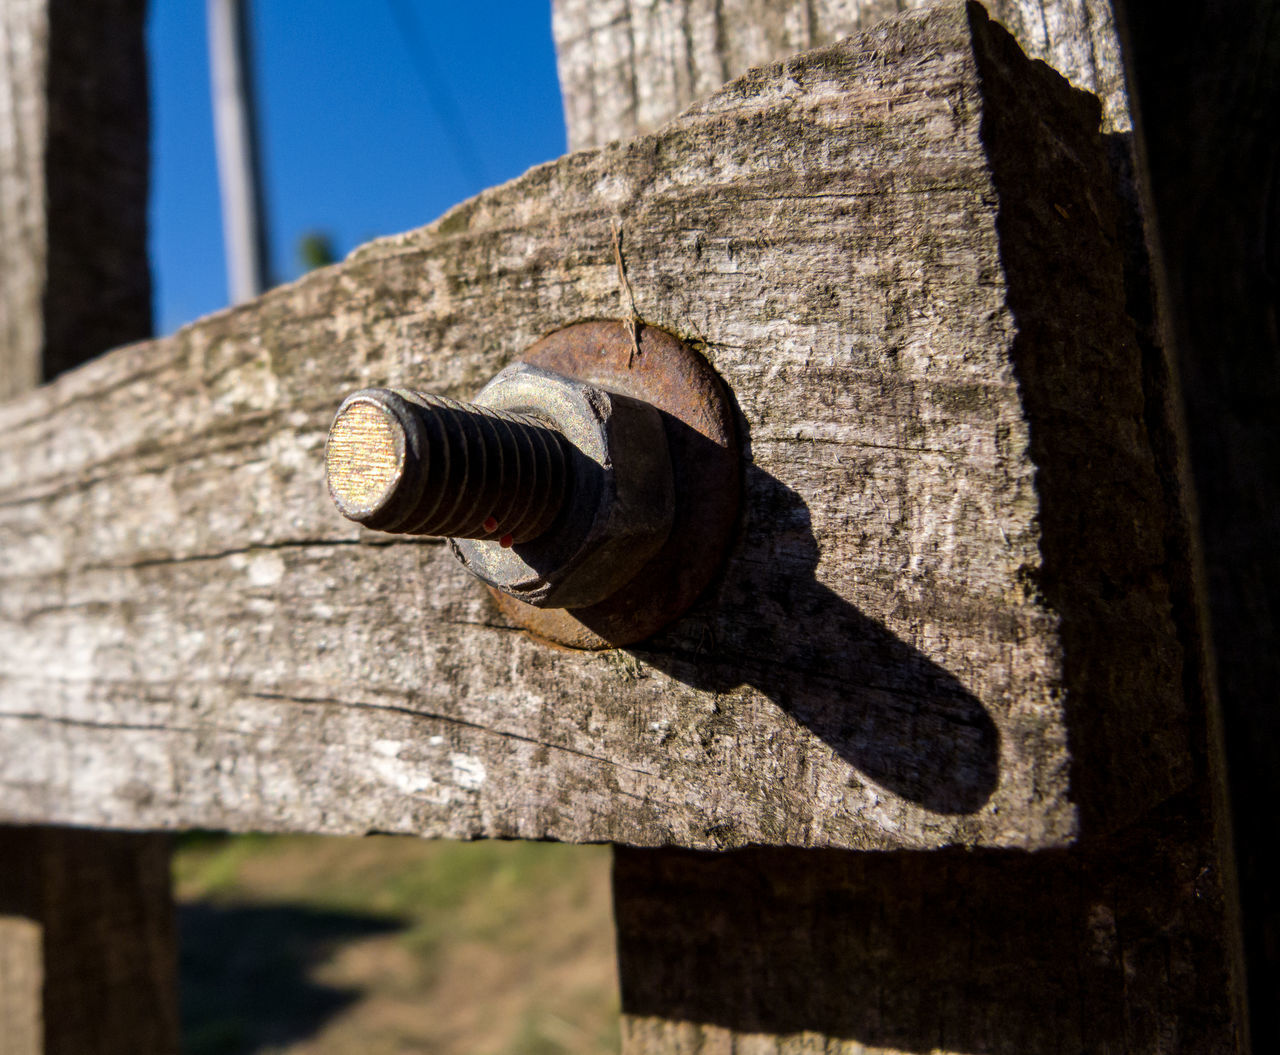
(23, 54)
(945, 619)
(1100, 948)
(87, 949)
(74, 279)
(626, 66)
(99, 904)
(1123, 944)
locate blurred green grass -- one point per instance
(312, 945)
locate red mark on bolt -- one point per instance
(505, 542)
(489, 523)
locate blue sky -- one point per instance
(366, 129)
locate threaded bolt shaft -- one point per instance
(419, 464)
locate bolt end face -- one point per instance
(365, 456)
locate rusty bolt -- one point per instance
(551, 490)
(418, 464)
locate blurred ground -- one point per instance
(387, 946)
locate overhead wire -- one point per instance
(446, 110)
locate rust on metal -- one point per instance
(620, 501)
(697, 415)
(594, 483)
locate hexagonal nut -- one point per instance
(620, 505)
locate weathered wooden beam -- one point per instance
(87, 954)
(945, 619)
(626, 66)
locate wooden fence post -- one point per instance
(910, 953)
(87, 954)
(1206, 83)
(959, 625)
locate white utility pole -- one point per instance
(236, 137)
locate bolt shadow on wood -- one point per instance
(896, 716)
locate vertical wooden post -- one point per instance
(89, 932)
(1129, 941)
(1206, 87)
(87, 955)
(1107, 948)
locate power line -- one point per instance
(244, 222)
(441, 101)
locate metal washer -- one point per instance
(702, 437)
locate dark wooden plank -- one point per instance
(106, 966)
(952, 505)
(1207, 88)
(87, 949)
(812, 952)
(74, 279)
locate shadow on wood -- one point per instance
(101, 917)
(1111, 533)
(884, 707)
(1207, 87)
(992, 951)
(1112, 536)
